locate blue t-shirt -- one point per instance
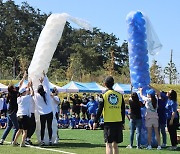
(162, 111)
(83, 121)
(91, 121)
(171, 107)
(92, 107)
(65, 121)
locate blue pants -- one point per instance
(11, 122)
(163, 132)
(135, 125)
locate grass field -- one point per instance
(79, 142)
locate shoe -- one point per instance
(1, 142)
(15, 144)
(149, 147)
(159, 147)
(129, 147)
(28, 142)
(42, 143)
(139, 147)
(163, 145)
(50, 143)
(172, 148)
(22, 145)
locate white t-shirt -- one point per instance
(41, 106)
(32, 106)
(148, 104)
(55, 104)
(24, 105)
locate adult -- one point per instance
(55, 103)
(84, 109)
(12, 110)
(23, 114)
(151, 116)
(42, 99)
(135, 119)
(113, 107)
(76, 104)
(172, 117)
(162, 100)
(65, 106)
(91, 106)
(32, 127)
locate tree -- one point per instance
(156, 73)
(170, 71)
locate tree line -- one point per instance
(80, 55)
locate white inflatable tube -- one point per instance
(45, 48)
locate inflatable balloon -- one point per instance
(45, 48)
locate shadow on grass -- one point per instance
(75, 145)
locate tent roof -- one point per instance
(122, 88)
(73, 87)
(3, 87)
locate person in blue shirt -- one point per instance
(60, 121)
(172, 117)
(74, 121)
(83, 122)
(92, 106)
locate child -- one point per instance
(60, 121)
(65, 121)
(83, 123)
(91, 122)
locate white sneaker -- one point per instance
(129, 147)
(159, 147)
(163, 145)
(149, 147)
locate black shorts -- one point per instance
(23, 122)
(113, 132)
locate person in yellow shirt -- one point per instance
(112, 105)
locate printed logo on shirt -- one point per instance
(113, 99)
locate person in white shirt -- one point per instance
(55, 103)
(32, 121)
(23, 114)
(42, 99)
(151, 116)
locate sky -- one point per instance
(110, 17)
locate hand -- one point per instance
(94, 126)
(41, 80)
(140, 89)
(25, 74)
(171, 122)
(44, 73)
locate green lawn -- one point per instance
(80, 142)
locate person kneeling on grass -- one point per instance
(23, 115)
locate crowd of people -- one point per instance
(150, 115)
(18, 111)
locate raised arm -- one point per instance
(156, 90)
(22, 80)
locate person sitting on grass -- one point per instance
(83, 123)
(91, 121)
(60, 121)
(65, 121)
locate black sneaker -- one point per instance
(42, 143)
(28, 142)
(50, 143)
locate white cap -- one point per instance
(22, 90)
